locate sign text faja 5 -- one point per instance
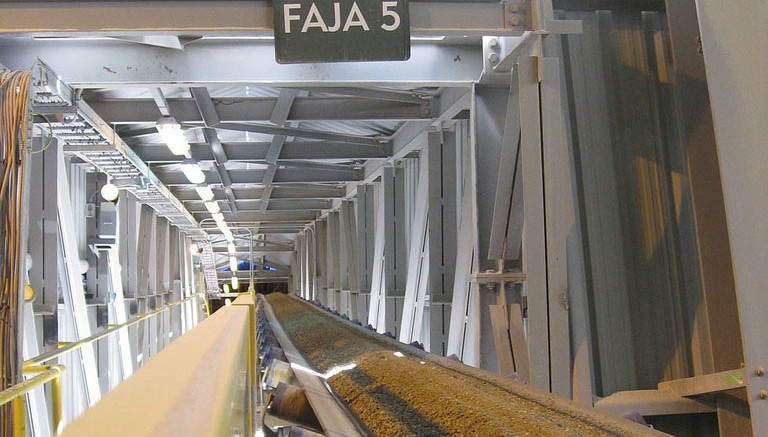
(341, 30)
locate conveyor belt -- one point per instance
(397, 390)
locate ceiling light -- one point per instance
(228, 234)
(109, 192)
(226, 288)
(173, 136)
(233, 263)
(213, 207)
(235, 283)
(218, 217)
(231, 247)
(192, 171)
(205, 193)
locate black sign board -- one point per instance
(341, 30)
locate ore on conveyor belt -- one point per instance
(412, 394)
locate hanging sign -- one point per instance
(341, 30)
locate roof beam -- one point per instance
(257, 152)
(375, 94)
(255, 177)
(266, 216)
(241, 110)
(112, 63)
(159, 101)
(290, 192)
(211, 118)
(279, 118)
(300, 133)
(229, 18)
(197, 206)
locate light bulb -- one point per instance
(233, 263)
(173, 136)
(109, 192)
(218, 218)
(192, 171)
(231, 247)
(235, 283)
(226, 288)
(205, 193)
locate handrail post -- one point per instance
(20, 416)
(56, 407)
(17, 396)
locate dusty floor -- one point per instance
(409, 396)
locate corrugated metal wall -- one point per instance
(635, 197)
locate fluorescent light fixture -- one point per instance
(205, 193)
(232, 248)
(109, 192)
(235, 283)
(228, 234)
(192, 171)
(228, 302)
(213, 207)
(173, 136)
(218, 218)
(233, 263)
(226, 288)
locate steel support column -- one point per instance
(414, 325)
(442, 232)
(395, 257)
(366, 233)
(75, 314)
(534, 245)
(348, 243)
(731, 35)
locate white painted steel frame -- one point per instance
(237, 63)
(75, 311)
(534, 245)
(233, 18)
(732, 34)
(463, 334)
(412, 322)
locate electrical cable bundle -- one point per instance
(14, 96)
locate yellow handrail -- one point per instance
(52, 373)
(207, 396)
(16, 394)
(112, 328)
